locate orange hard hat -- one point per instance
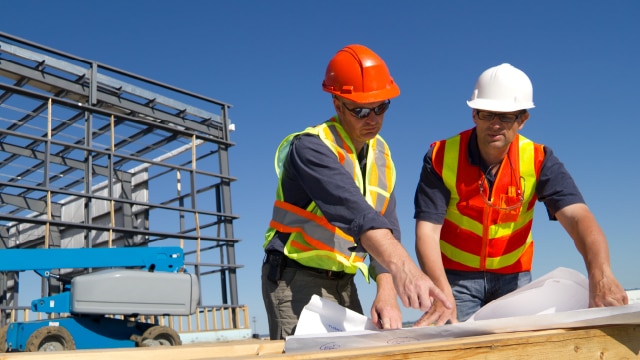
(360, 75)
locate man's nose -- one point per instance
(373, 118)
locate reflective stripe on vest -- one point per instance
(314, 241)
(476, 236)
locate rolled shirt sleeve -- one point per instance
(556, 187)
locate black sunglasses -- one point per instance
(505, 118)
(363, 112)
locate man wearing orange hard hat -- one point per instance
(335, 205)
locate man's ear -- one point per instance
(473, 116)
(523, 118)
(336, 104)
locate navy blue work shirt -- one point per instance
(555, 188)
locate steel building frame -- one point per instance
(94, 156)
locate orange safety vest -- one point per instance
(314, 241)
(486, 231)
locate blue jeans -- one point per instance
(474, 289)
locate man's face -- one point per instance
(360, 130)
(496, 130)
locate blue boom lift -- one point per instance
(131, 281)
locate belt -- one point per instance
(329, 274)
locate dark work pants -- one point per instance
(285, 299)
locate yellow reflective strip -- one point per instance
(315, 231)
(462, 221)
(271, 232)
(471, 260)
(380, 191)
(528, 169)
(381, 174)
(337, 139)
(308, 258)
(450, 166)
(507, 259)
(449, 174)
(494, 231)
(459, 255)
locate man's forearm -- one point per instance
(383, 246)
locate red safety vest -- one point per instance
(486, 231)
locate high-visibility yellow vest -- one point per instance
(486, 231)
(313, 241)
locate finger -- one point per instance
(396, 324)
(439, 295)
(425, 322)
(433, 316)
(425, 303)
(376, 318)
(440, 320)
(422, 321)
(411, 301)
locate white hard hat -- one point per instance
(502, 88)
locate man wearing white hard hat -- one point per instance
(475, 199)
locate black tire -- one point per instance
(159, 336)
(3, 338)
(50, 338)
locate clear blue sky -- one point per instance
(267, 59)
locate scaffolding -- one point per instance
(94, 156)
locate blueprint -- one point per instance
(557, 300)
